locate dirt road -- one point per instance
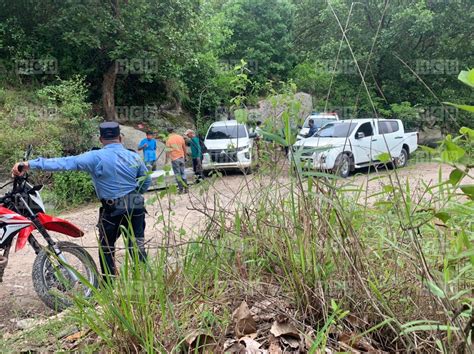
(18, 299)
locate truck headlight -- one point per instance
(241, 148)
(319, 157)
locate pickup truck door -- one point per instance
(363, 141)
(390, 135)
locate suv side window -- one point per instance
(366, 128)
(384, 127)
(394, 126)
(388, 126)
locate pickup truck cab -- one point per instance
(229, 146)
(345, 145)
(319, 119)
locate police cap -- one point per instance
(109, 130)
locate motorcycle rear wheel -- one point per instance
(52, 280)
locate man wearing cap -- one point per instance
(120, 178)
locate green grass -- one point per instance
(392, 268)
(316, 249)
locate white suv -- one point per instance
(229, 146)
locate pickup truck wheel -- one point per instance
(342, 166)
(402, 160)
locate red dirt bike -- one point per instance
(61, 269)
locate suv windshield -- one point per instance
(227, 132)
(336, 130)
(319, 122)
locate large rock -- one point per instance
(430, 136)
(132, 137)
(273, 107)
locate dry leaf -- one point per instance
(346, 338)
(355, 321)
(284, 328)
(365, 345)
(274, 347)
(200, 340)
(289, 341)
(244, 322)
(263, 311)
(251, 345)
(233, 346)
(352, 340)
(75, 336)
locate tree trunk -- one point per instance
(108, 93)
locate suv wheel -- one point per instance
(343, 166)
(402, 160)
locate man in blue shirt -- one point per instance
(120, 177)
(312, 128)
(148, 145)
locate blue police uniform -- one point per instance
(120, 177)
(115, 171)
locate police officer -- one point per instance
(120, 178)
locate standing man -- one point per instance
(176, 151)
(149, 145)
(196, 154)
(312, 128)
(120, 177)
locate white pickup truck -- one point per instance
(345, 145)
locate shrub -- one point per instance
(68, 98)
(71, 189)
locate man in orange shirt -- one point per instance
(176, 151)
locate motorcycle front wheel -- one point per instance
(57, 282)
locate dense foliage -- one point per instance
(77, 59)
(174, 54)
(56, 121)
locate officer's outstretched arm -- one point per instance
(82, 162)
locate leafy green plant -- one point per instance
(467, 77)
(69, 97)
(70, 189)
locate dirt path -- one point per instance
(18, 299)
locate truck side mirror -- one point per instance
(360, 135)
(252, 135)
